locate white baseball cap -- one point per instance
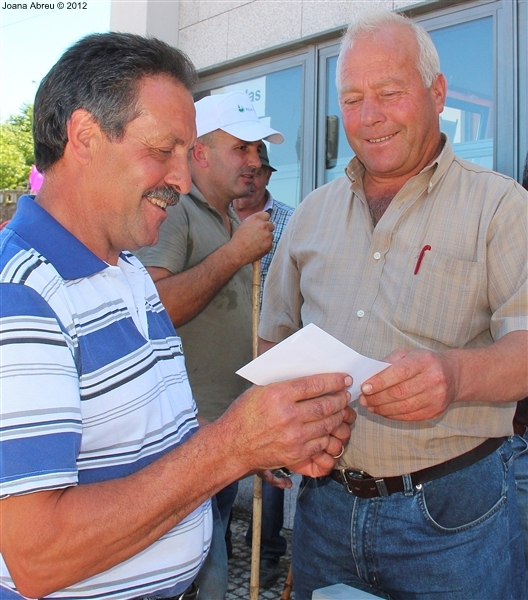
(235, 114)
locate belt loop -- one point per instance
(407, 485)
(382, 488)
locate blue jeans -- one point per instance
(454, 538)
(212, 578)
(520, 447)
(272, 544)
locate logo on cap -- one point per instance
(240, 108)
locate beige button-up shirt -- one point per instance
(334, 269)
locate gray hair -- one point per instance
(372, 20)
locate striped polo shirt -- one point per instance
(94, 388)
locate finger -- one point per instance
(386, 379)
(278, 482)
(318, 409)
(335, 446)
(262, 215)
(396, 355)
(350, 415)
(418, 408)
(314, 386)
(393, 379)
(428, 387)
(342, 434)
(317, 435)
(324, 463)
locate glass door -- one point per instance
(277, 91)
(479, 112)
(466, 60)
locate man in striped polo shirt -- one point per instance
(105, 476)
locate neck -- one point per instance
(376, 186)
(80, 217)
(245, 208)
(213, 198)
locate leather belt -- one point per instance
(363, 485)
(519, 428)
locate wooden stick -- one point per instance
(257, 481)
(288, 585)
(255, 305)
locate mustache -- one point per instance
(165, 193)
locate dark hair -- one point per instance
(525, 173)
(100, 73)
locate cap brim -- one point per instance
(251, 131)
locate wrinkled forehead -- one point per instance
(382, 57)
(388, 40)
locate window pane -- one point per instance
(277, 98)
(466, 59)
(335, 162)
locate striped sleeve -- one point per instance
(38, 446)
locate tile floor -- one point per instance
(240, 564)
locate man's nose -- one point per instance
(254, 158)
(179, 175)
(371, 111)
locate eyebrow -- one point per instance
(176, 141)
(376, 85)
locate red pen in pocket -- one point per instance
(420, 258)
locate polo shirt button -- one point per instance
(377, 255)
(360, 313)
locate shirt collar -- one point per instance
(355, 169)
(68, 255)
(196, 195)
(269, 203)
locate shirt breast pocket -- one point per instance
(439, 302)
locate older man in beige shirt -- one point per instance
(418, 258)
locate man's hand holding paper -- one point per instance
(311, 351)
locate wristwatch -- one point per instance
(282, 473)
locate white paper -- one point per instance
(311, 351)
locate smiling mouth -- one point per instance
(162, 197)
(248, 175)
(157, 202)
(382, 139)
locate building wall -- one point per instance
(230, 41)
(215, 31)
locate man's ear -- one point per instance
(84, 136)
(439, 90)
(200, 154)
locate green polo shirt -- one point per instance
(217, 341)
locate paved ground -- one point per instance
(240, 564)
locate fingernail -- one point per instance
(366, 388)
(348, 381)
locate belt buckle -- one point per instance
(345, 473)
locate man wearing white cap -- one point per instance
(202, 270)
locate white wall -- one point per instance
(215, 31)
(147, 17)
